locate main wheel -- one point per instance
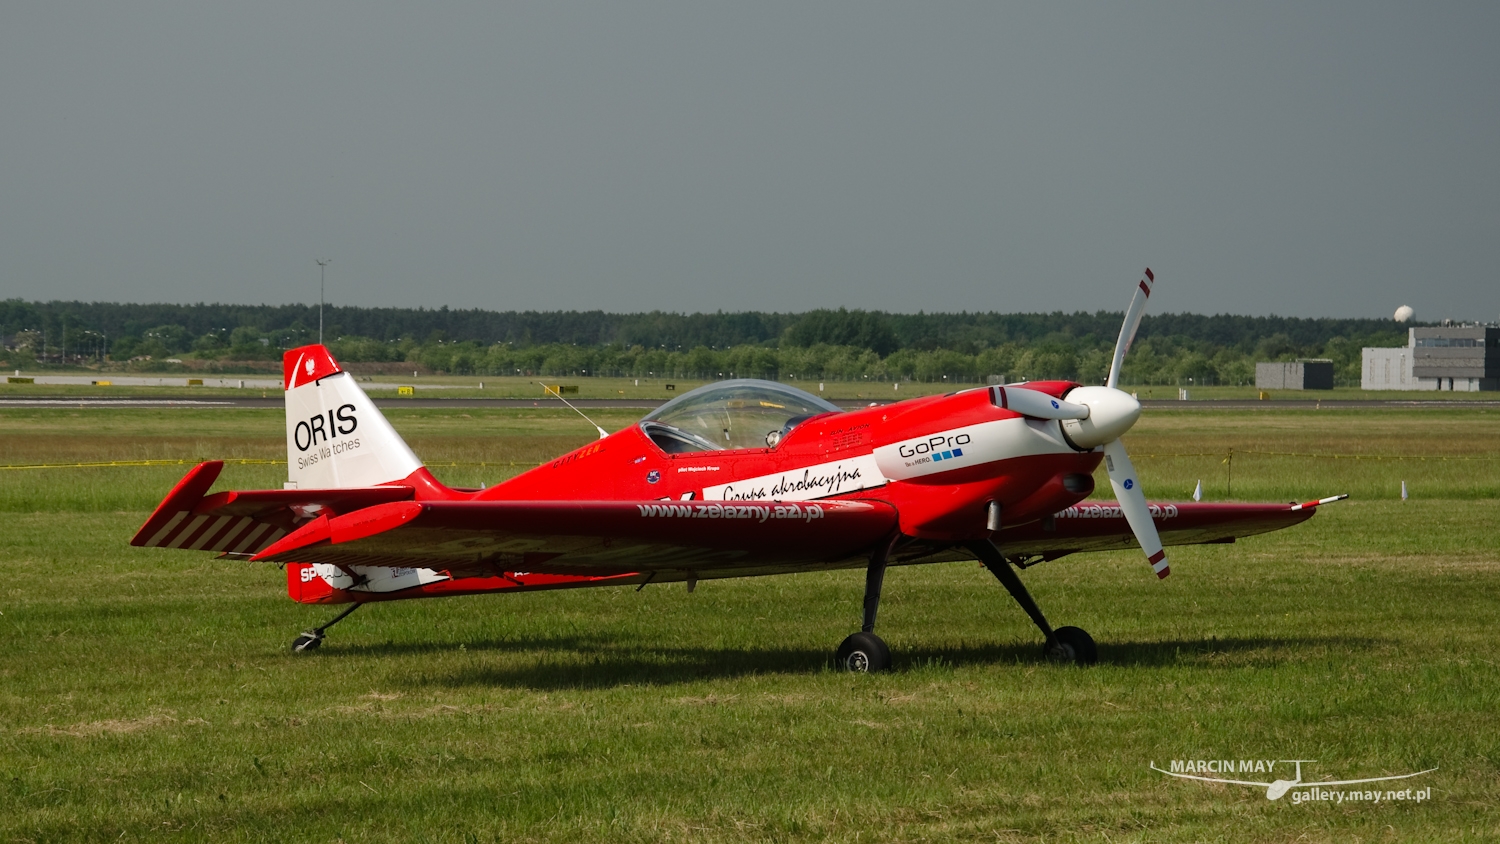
(863, 652)
(306, 642)
(1072, 644)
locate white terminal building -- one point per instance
(1463, 358)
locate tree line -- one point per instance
(837, 344)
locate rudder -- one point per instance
(335, 436)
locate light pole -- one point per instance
(322, 266)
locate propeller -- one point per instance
(1132, 322)
(1133, 505)
(1111, 412)
(1038, 405)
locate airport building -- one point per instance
(1463, 358)
(1316, 374)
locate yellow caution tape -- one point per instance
(234, 461)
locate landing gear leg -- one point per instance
(864, 651)
(311, 639)
(1065, 644)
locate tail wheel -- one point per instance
(863, 653)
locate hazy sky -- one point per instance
(1308, 159)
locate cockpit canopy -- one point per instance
(742, 413)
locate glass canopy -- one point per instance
(743, 413)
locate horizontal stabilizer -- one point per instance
(245, 523)
(343, 529)
(177, 522)
(304, 502)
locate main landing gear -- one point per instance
(311, 639)
(864, 651)
(1065, 644)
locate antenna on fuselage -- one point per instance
(602, 433)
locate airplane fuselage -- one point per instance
(939, 460)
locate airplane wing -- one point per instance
(592, 538)
(384, 526)
(716, 539)
(1102, 527)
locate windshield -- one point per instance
(743, 413)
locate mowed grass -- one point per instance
(151, 694)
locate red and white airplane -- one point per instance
(735, 479)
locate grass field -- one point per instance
(149, 694)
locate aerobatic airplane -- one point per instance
(739, 478)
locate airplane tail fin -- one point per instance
(335, 436)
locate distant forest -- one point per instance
(832, 344)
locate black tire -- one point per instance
(305, 643)
(863, 653)
(1072, 644)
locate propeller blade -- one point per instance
(1132, 322)
(1133, 505)
(1037, 405)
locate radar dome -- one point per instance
(1405, 313)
